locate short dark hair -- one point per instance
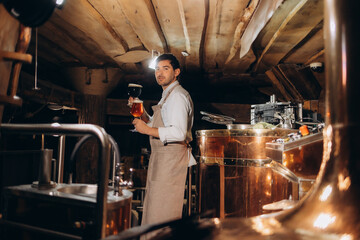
(168, 56)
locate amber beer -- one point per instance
(137, 108)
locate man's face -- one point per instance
(165, 74)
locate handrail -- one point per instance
(103, 164)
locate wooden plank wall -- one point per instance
(9, 30)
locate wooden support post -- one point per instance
(9, 30)
(92, 112)
(19, 57)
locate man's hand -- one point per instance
(145, 117)
(143, 128)
(140, 125)
(130, 101)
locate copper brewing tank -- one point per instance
(236, 178)
(331, 209)
(217, 145)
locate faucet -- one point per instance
(118, 173)
(114, 148)
(120, 183)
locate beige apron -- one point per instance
(165, 184)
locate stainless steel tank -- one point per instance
(64, 212)
(56, 211)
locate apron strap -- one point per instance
(168, 94)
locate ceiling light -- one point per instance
(154, 55)
(185, 53)
(60, 3)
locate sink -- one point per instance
(87, 189)
(70, 202)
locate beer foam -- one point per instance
(137, 101)
(134, 85)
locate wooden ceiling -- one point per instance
(239, 51)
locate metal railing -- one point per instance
(103, 163)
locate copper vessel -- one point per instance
(217, 145)
(331, 209)
(236, 178)
(302, 157)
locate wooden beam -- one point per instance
(281, 74)
(115, 17)
(315, 57)
(277, 84)
(224, 20)
(181, 24)
(59, 41)
(240, 28)
(240, 65)
(293, 29)
(273, 24)
(15, 56)
(48, 93)
(142, 18)
(112, 13)
(84, 17)
(311, 45)
(263, 12)
(9, 31)
(59, 55)
(195, 19)
(294, 83)
(184, 26)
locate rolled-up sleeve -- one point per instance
(176, 118)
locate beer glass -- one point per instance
(134, 90)
(137, 109)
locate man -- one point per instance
(170, 133)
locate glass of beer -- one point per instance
(137, 109)
(134, 90)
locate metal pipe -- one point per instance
(189, 190)
(60, 162)
(113, 172)
(116, 157)
(44, 178)
(48, 232)
(103, 164)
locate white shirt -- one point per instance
(177, 114)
